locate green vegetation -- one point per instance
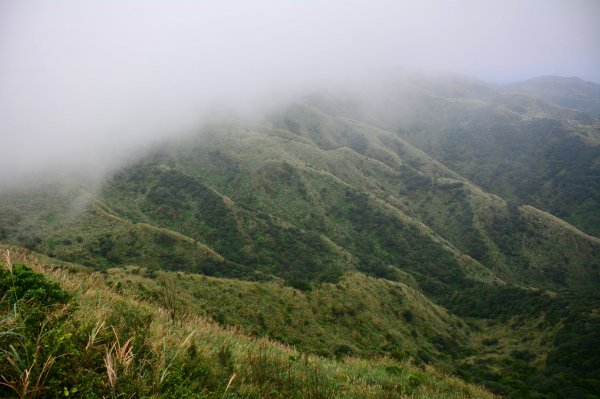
(124, 347)
(521, 148)
(565, 323)
(358, 315)
(320, 230)
(567, 92)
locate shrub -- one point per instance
(26, 286)
(299, 285)
(489, 341)
(408, 315)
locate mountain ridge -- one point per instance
(341, 210)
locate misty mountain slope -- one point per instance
(169, 198)
(308, 205)
(315, 198)
(539, 163)
(514, 145)
(300, 199)
(357, 198)
(567, 92)
(94, 235)
(455, 209)
(289, 196)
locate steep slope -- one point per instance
(56, 318)
(309, 195)
(483, 226)
(275, 201)
(282, 174)
(509, 142)
(349, 238)
(567, 92)
(358, 316)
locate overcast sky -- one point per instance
(81, 79)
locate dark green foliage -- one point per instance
(574, 364)
(299, 285)
(312, 194)
(35, 332)
(572, 367)
(524, 355)
(165, 239)
(408, 315)
(515, 379)
(344, 350)
(388, 240)
(26, 341)
(536, 162)
(376, 268)
(489, 341)
(29, 288)
(249, 241)
(105, 245)
(30, 243)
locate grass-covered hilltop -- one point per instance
(431, 237)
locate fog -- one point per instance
(84, 83)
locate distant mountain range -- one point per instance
(571, 92)
(434, 217)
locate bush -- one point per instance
(489, 341)
(342, 350)
(299, 285)
(26, 286)
(408, 315)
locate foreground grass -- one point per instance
(67, 333)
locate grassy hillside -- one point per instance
(271, 202)
(57, 318)
(317, 229)
(567, 92)
(358, 315)
(508, 140)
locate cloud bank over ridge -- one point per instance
(87, 81)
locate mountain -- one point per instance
(69, 332)
(515, 145)
(419, 219)
(567, 92)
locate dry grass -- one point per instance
(30, 382)
(257, 364)
(8, 261)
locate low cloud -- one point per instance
(84, 83)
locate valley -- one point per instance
(430, 231)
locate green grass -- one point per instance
(338, 238)
(121, 346)
(358, 315)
